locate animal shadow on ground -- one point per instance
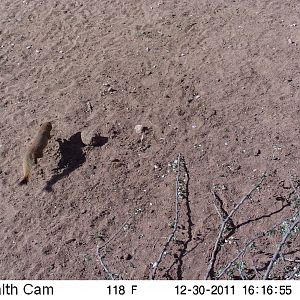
(72, 157)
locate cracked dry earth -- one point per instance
(217, 81)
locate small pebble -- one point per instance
(139, 129)
(91, 136)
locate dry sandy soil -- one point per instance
(217, 81)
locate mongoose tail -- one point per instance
(28, 163)
(35, 150)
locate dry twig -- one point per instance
(223, 226)
(108, 273)
(279, 247)
(243, 251)
(100, 248)
(240, 253)
(296, 270)
(171, 236)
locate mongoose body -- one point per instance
(35, 150)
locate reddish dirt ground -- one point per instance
(217, 81)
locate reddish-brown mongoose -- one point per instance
(35, 150)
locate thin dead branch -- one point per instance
(248, 244)
(243, 251)
(101, 257)
(171, 236)
(296, 271)
(257, 273)
(221, 211)
(240, 253)
(115, 234)
(279, 247)
(289, 259)
(223, 226)
(103, 247)
(296, 202)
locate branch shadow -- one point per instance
(250, 273)
(232, 230)
(184, 244)
(167, 274)
(190, 224)
(263, 216)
